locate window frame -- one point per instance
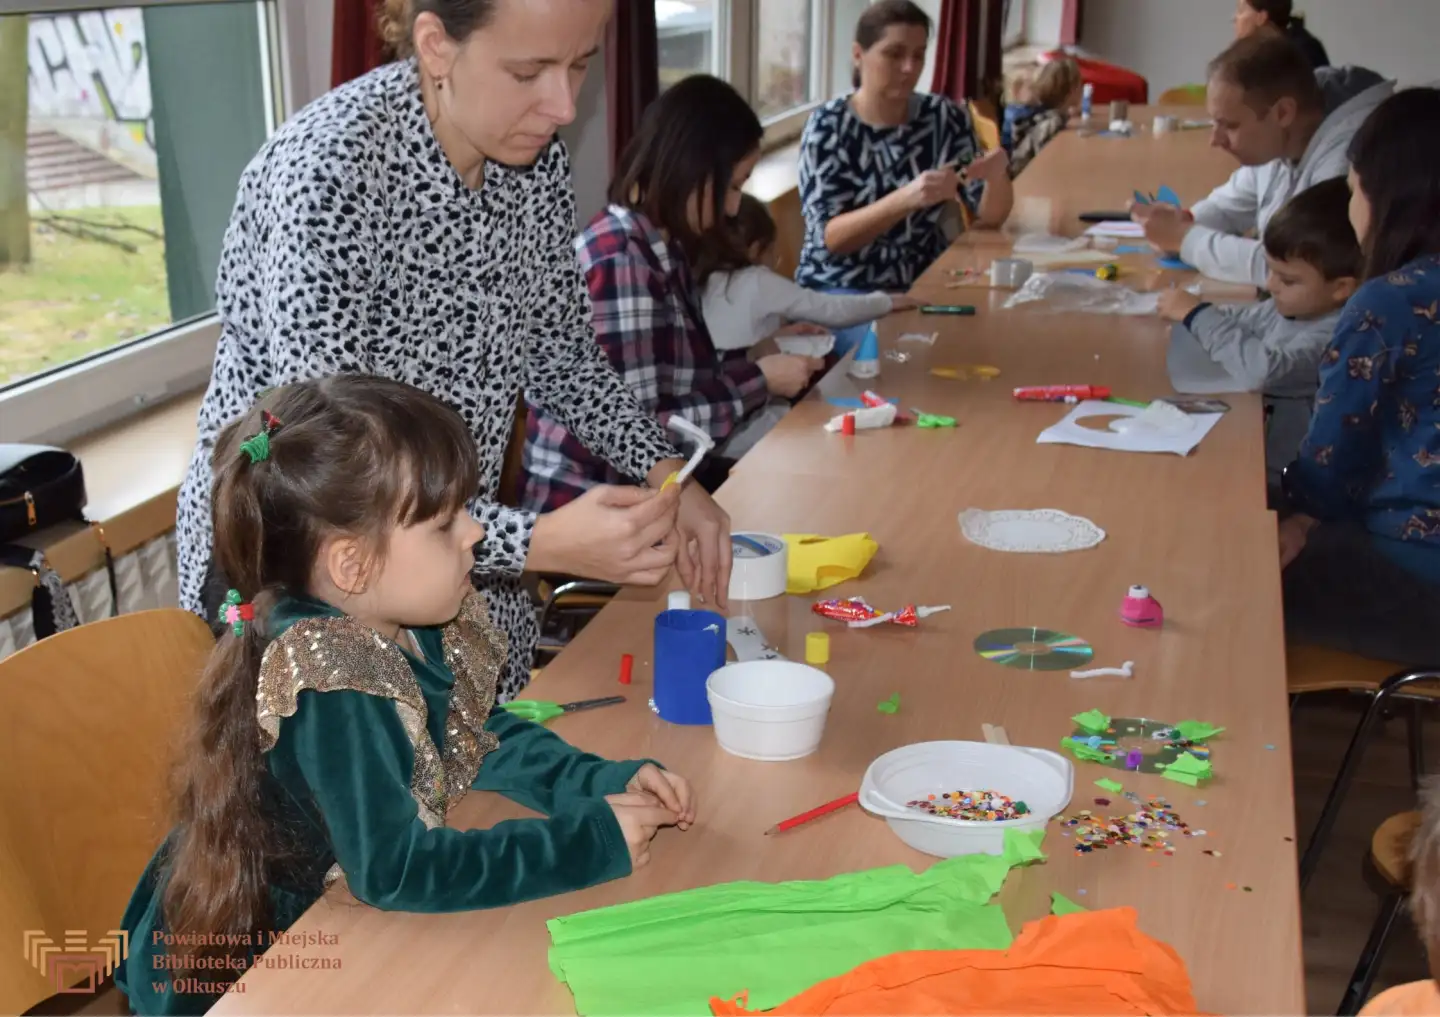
(740, 32)
(104, 388)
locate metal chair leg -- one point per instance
(1415, 728)
(1331, 810)
(1365, 969)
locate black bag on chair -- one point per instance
(40, 487)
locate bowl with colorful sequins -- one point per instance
(959, 798)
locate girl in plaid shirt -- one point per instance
(677, 182)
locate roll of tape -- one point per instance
(759, 568)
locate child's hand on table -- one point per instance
(1175, 305)
(639, 814)
(671, 789)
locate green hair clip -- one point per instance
(257, 446)
(235, 613)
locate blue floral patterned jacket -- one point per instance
(1372, 453)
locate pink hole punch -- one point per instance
(1140, 610)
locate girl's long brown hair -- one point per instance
(354, 455)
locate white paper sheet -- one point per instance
(1116, 228)
(1179, 440)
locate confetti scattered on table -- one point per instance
(1270, 748)
(976, 806)
(1150, 827)
(1110, 785)
(891, 705)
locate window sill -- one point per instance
(132, 476)
(776, 173)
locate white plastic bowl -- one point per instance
(769, 709)
(1043, 780)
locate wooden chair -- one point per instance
(987, 130)
(88, 723)
(1389, 861)
(1311, 669)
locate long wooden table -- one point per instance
(1193, 529)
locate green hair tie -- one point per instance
(257, 446)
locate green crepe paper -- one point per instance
(891, 705)
(1083, 752)
(1197, 730)
(1189, 769)
(1093, 721)
(671, 954)
(1110, 785)
(1063, 905)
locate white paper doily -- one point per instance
(1034, 531)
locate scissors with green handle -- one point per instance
(539, 711)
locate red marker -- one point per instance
(627, 664)
(1061, 393)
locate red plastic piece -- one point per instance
(627, 664)
(1111, 82)
(1140, 610)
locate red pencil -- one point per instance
(815, 813)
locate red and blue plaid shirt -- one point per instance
(646, 309)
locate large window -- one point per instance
(135, 124)
(784, 56)
(786, 35)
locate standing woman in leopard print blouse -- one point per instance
(417, 223)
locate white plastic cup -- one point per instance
(771, 710)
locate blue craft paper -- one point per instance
(847, 403)
(1167, 197)
(1133, 249)
(1175, 263)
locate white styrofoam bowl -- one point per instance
(769, 709)
(1043, 780)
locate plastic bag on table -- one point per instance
(1076, 291)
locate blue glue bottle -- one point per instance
(1087, 100)
(866, 362)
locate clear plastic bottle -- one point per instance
(1087, 100)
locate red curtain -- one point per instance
(1070, 22)
(356, 46)
(968, 44)
(632, 70)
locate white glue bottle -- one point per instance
(866, 362)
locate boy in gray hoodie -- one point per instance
(1275, 346)
(1289, 126)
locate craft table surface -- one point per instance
(1032, 345)
(1194, 530)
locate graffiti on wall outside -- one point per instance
(92, 66)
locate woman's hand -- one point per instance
(1294, 534)
(671, 789)
(1176, 305)
(1165, 226)
(786, 374)
(801, 328)
(639, 814)
(931, 188)
(704, 556)
(993, 165)
(622, 535)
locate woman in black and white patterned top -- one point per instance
(877, 167)
(417, 223)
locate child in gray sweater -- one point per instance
(1275, 346)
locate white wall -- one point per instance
(1169, 42)
(1043, 20)
(308, 27)
(588, 138)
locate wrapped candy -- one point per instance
(857, 614)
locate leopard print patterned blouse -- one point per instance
(355, 247)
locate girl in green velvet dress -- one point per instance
(351, 707)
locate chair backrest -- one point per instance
(986, 128)
(88, 726)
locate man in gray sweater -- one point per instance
(1289, 126)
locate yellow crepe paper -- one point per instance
(816, 562)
